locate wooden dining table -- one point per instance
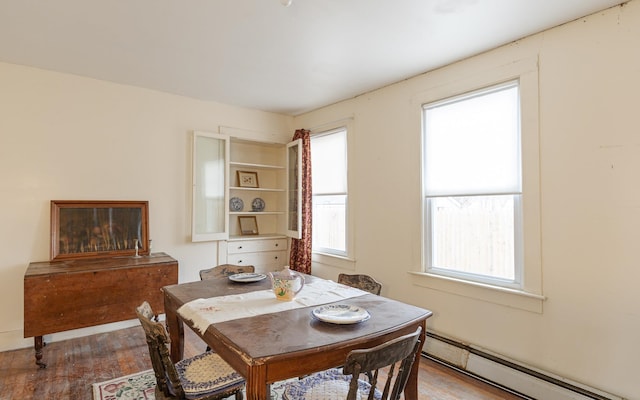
(272, 347)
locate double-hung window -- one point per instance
(472, 182)
(329, 191)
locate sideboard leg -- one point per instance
(39, 344)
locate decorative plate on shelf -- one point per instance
(236, 204)
(257, 204)
(247, 277)
(341, 314)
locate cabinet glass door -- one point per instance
(210, 221)
(294, 189)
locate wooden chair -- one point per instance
(224, 270)
(364, 282)
(395, 357)
(203, 377)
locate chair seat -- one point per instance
(329, 384)
(195, 374)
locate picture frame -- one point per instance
(101, 228)
(248, 179)
(248, 225)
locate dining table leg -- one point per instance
(175, 328)
(256, 386)
(411, 389)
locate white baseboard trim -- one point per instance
(520, 379)
(14, 340)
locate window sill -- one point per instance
(513, 298)
(333, 260)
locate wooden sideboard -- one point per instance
(77, 293)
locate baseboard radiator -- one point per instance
(508, 375)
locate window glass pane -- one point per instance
(209, 192)
(472, 144)
(329, 163)
(474, 234)
(292, 189)
(329, 222)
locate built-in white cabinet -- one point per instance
(267, 254)
(266, 200)
(261, 181)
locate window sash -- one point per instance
(493, 257)
(329, 150)
(329, 233)
(470, 147)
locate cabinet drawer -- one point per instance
(267, 261)
(252, 246)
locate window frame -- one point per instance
(529, 296)
(325, 250)
(516, 282)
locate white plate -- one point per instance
(257, 205)
(236, 204)
(341, 314)
(247, 277)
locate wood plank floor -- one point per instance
(73, 365)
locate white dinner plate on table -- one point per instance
(247, 277)
(341, 314)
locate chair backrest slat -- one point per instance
(224, 270)
(398, 354)
(158, 341)
(361, 281)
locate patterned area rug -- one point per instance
(138, 386)
(142, 386)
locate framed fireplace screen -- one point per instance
(85, 229)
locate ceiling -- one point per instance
(261, 54)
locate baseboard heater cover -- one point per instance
(517, 379)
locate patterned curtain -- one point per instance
(300, 257)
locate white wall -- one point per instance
(589, 85)
(65, 137)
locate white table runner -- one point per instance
(204, 312)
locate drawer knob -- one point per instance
(276, 244)
(239, 247)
